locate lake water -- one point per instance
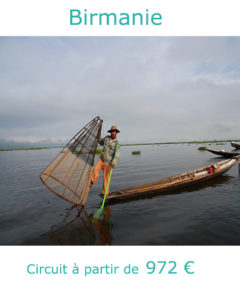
(206, 214)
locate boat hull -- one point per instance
(173, 183)
(223, 153)
(234, 145)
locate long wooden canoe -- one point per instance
(234, 145)
(224, 153)
(174, 182)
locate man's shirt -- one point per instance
(109, 148)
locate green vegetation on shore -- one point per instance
(136, 152)
(202, 148)
(23, 149)
(99, 151)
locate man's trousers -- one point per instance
(101, 165)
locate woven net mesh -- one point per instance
(68, 174)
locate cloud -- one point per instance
(153, 88)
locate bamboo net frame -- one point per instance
(68, 174)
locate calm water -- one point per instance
(208, 214)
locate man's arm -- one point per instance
(101, 140)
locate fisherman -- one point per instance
(108, 158)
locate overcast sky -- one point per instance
(152, 88)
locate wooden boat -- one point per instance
(234, 145)
(224, 153)
(174, 182)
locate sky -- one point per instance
(155, 89)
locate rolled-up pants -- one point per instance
(101, 165)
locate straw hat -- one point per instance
(114, 127)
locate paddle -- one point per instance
(100, 210)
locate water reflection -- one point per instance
(78, 228)
(103, 227)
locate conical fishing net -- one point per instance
(68, 174)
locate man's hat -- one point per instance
(114, 127)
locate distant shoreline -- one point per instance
(220, 142)
(31, 148)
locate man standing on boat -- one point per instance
(108, 158)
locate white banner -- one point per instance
(117, 272)
(184, 18)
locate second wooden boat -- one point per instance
(174, 182)
(224, 153)
(235, 145)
